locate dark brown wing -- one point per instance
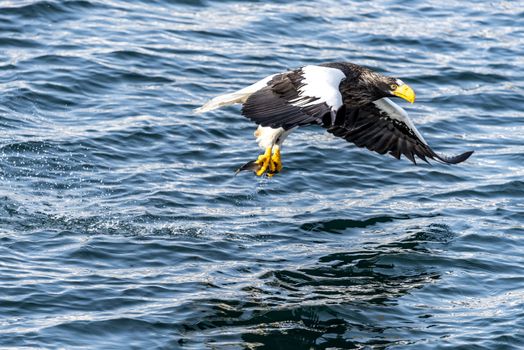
(384, 127)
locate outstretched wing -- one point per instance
(383, 127)
(304, 96)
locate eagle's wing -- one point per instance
(304, 96)
(383, 126)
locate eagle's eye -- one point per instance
(393, 87)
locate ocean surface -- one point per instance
(122, 225)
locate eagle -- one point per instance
(350, 101)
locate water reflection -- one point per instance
(344, 300)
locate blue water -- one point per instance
(122, 225)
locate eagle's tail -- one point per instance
(224, 100)
(239, 96)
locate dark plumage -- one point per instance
(270, 105)
(371, 128)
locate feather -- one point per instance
(384, 127)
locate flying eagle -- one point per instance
(350, 101)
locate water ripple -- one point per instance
(123, 225)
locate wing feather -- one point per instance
(385, 127)
(296, 98)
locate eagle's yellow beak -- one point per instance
(405, 92)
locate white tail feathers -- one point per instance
(239, 96)
(223, 100)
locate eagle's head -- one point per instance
(373, 86)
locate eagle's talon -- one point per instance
(276, 162)
(272, 167)
(264, 161)
(262, 170)
(269, 163)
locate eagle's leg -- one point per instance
(263, 162)
(269, 163)
(275, 165)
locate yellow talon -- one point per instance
(264, 161)
(268, 163)
(276, 163)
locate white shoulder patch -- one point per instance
(322, 83)
(396, 112)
